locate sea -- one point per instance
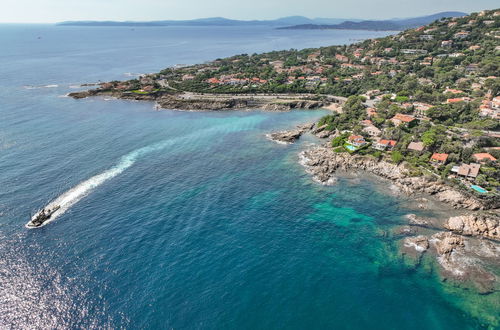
(189, 220)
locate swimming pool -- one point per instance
(350, 147)
(479, 189)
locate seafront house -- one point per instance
(356, 140)
(467, 170)
(439, 159)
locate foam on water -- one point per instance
(75, 194)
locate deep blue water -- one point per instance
(202, 222)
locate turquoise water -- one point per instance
(187, 219)
(479, 189)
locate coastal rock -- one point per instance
(487, 226)
(413, 220)
(458, 264)
(286, 136)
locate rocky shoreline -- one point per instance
(465, 246)
(322, 162)
(193, 101)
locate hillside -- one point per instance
(385, 25)
(212, 21)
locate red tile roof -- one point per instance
(484, 156)
(439, 157)
(391, 143)
(404, 118)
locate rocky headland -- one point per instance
(196, 101)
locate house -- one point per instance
(472, 68)
(446, 43)
(341, 58)
(372, 130)
(213, 81)
(400, 119)
(467, 170)
(426, 37)
(457, 100)
(439, 158)
(461, 35)
(371, 112)
(414, 51)
(356, 140)
(484, 157)
(452, 91)
(416, 146)
(385, 145)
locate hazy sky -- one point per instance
(61, 10)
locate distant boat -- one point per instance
(42, 217)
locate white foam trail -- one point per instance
(75, 194)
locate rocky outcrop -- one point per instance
(286, 136)
(323, 163)
(175, 102)
(289, 105)
(483, 225)
(413, 220)
(290, 136)
(458, 262)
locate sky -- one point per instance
(51, 11)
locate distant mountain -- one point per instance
(385, 25)
(212, 21)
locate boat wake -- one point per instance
(75, 194)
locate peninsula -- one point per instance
(427, 97)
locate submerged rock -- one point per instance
(419, 243)
(460, 264)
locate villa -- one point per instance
(400, 119)
(356, 140)
(385, 145)
(467, 170)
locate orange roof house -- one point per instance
(400, 118)
(385, 144)
(484, 156)
(439, 158)
(356, 140)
